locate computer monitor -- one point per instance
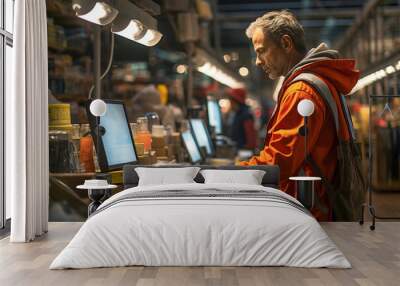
(202, 135)
(191, 147)
(214, 115)
(116, 147)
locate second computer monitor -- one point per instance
(214, 115)
(191, 146)
(202, 135)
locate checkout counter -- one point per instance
(76, 155)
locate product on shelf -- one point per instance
(142, 134)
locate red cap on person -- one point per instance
(238, 95)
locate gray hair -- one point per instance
(277, 24)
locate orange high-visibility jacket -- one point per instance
(284, 146)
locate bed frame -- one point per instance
(270, 179)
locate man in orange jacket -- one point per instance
(278, 41)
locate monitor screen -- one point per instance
(191, 146)
(117, 147)
(202, 135)
(214, 115)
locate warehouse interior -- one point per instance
(94, 90)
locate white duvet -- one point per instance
(200, 231)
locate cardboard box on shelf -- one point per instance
(158, 142)
(144, 160)
(161, 152)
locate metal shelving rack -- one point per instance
(369, 205)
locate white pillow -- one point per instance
(166, 176)
(248, 177)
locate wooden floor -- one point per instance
(375, 257)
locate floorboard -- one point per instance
(375, 257)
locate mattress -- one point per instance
(201, 225)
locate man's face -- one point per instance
(270, 57)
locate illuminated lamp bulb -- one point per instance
(132, 30)
(181, 69)
(243, 71)
(150, 38)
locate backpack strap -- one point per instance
(323, 90)
(347, 116)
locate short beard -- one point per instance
(273, 77)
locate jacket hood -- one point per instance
(326, 63)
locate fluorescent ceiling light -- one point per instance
(375, 76)
(213, 68)
(398, 65)
(97, 12)
(390, 69)
(212, 71)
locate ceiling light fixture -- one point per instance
(135, 24)
(150, 38)
(227, 58)
(98, 12)
(128, 20)
(215, 73)
(390, 69)
(398, 65)
(243, 71)
(375, 76)
(181, 69)
(130, 29)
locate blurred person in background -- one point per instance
(149, 99)
(174, 100)
(242, 128)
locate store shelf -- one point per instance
(67, 98)
(70, 51)
(69, 21)
(386, 187)
(70, 63)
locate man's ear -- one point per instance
(287, 43)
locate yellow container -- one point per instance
(61, 127)
(60, 116)
(116, 177)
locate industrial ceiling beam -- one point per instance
(307, 24)
(362, 17)
(315, 14)
(304, 15)
(292, 5)
(149, 6)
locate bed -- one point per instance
(198, 224)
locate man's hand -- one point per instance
(240, 163)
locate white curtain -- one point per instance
(27, 171)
